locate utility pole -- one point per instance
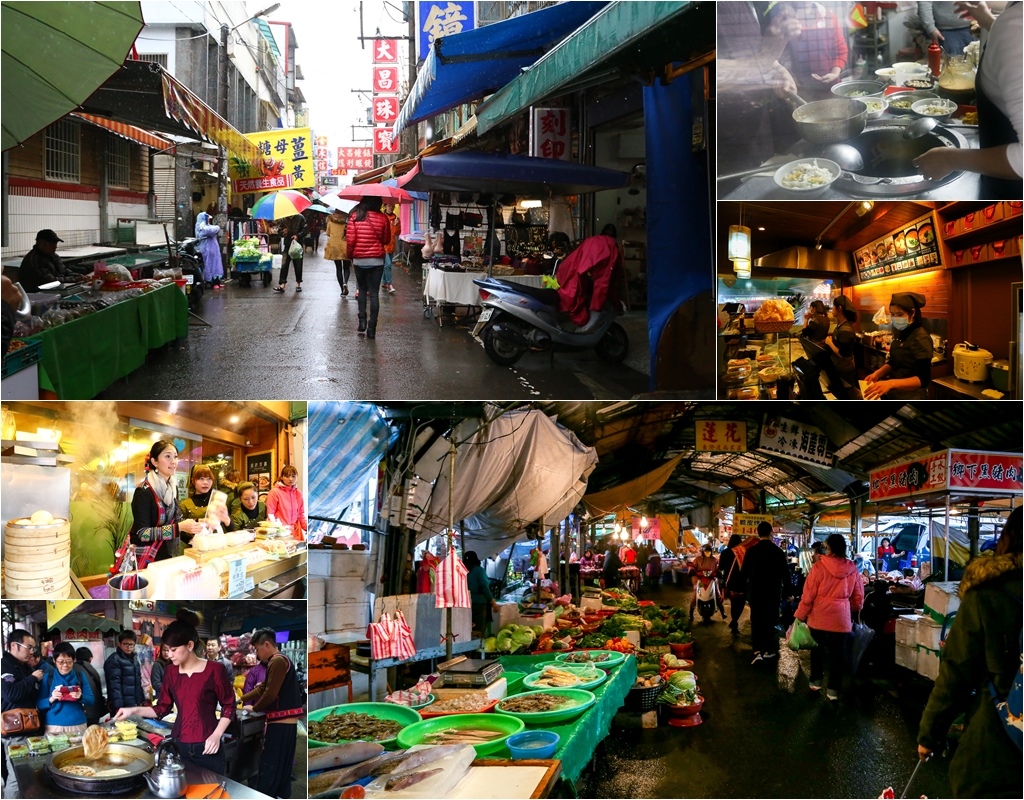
(222, 176)
(409, 137)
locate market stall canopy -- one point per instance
(631, 492)
(470, 65)
(346, 444)
(144, 94)
(623, 38)
(518, 468)
(471, 171)
(126, 131)
(85, 622)
(54, 57)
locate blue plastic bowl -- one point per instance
(533, 744)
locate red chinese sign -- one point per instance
(551, 136)
(385, 51)
(720, 435)
(265, 184)
(384, 141)
(385, 80)
(355, 158)
(950, 470)
(385, 109)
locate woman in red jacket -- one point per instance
(832, 592)
(368, 233)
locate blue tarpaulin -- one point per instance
(473, 64)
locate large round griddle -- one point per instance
(121, 756)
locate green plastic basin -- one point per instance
(401, 714)
(583, 698)
(415, 734)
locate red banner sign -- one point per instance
(385, 80)
(384, 141)
(551, 136)
(385, 109)
(985, 472)
(950, 470)
(385, 51)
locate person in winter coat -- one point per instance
(389, 248)
(157, 522)
(63, 696)
(833, 591)
(87, 674)
(336, 249)
(610, 568)
(766, 573)
(251, 511)
(20, 680)
(156, 675)
(293, 229)
(209, 248)
(285, 503)
(314, 227)
(368, 233)
(730, 565)
(705, 562)
(124, 675)
(981, 654)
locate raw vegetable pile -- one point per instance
(248, 248)
(680, 690)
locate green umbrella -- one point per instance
(57, 54)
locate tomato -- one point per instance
(355, 791)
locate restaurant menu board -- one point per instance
(912, 248)
(259, 469)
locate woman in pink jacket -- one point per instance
(832, 593)
(285, 504)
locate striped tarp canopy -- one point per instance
(347, 441)
(183, 105)
(126, 131)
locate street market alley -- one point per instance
(765, 734)
(273, 346)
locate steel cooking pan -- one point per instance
(135, 760)
(830, 121)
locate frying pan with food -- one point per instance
(120, 769)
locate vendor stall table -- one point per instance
(34, 783)
(580, 737)
(137, 262)
(83, 357)
(69, 256)
(457, 288)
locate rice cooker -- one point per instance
(970, 363)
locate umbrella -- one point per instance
(55, 55)
(387, 193)
(336, 203)
(276, 205)
(319, 208)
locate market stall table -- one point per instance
(579, 738)
(458, 289)
(83, 357)
(69, 256)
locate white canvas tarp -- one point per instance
(516, 469)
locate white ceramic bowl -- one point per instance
(920, 107)
(812, 191)
(885, 73)
(876, 106)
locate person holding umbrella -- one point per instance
(368, 233)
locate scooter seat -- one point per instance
(547, 296)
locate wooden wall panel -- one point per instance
(934, 285)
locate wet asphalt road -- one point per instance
(268, 346)
(765, 734)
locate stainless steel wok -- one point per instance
(135, 760)
(830, 121)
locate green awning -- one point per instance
(624, 38)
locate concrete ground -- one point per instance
(269, 346)
(765, 734)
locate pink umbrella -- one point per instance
(387, 193)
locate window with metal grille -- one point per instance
(64, 151)
(119, 162)
(157, 58)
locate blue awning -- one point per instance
(471, 65)
(473, 171)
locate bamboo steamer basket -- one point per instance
(37, 559)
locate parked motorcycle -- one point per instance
(517, 318)
(707, 594)
(190, 260)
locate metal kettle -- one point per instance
(168, 776)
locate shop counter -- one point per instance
(33, 782)
(83, 357)
(949, 387)
(580, 737)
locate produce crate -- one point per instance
(25, 352)
(906, 656)
(253, 264)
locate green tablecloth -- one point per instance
(83, 357)
(580, 737)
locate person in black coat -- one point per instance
(20, 680)
(734, 583)
(610, 569)
(766, 573)
(87, 672)
(124, 675)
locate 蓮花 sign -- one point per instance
(795, 440)
(286, 162)
(963, 471)
(437, 19)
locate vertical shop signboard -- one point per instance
(721, 436)
(259, 470)
(550, 133)
(912, 248)
(437, 19)
(384, 141)
(385, 51)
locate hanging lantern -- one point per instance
(739, 242)
(741, 266)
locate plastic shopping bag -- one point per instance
(857, 644)
(295, 250)
(799, 636)
(881, 316)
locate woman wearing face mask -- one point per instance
(157, 521)
(194, 687)
(906, 374)
(251, 511)
(63, 696)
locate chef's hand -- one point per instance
(212, 744)
(979, 12)
(877, 389)
(923, 752)
(937, 36)
(829, 77)
(874, 376)
(937, 163)
(124, 713)
(223, 515)
(190, 526)
(782, 81)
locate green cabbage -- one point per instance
(683, 680)
(491, 644)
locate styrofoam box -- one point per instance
(928, 663)
(347, 616)
(346, 590)
(495, 691)
(316, 592)
(929, 633)
(906, 656)
(593, 603)
(546, 621)
(633, 637)
(941, 597)
(507, 613)
(317, 619)
(906, 629)
(338, 563)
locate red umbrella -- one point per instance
(387, 193)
